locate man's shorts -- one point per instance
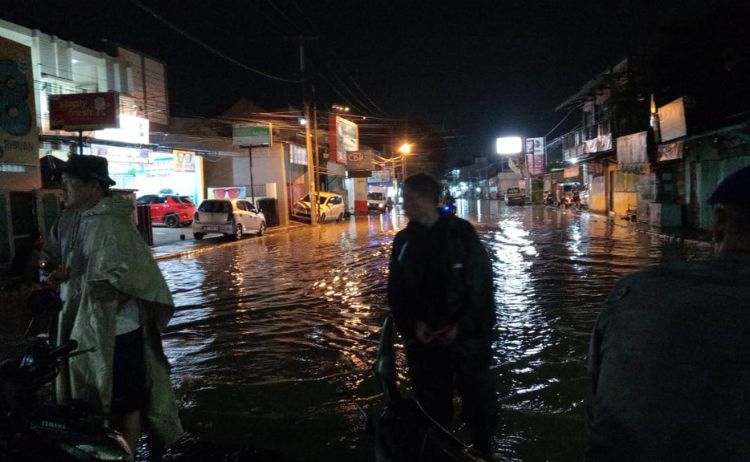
(129, 373)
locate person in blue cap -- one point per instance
(669, 360)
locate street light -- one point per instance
(404, 149)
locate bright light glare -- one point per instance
(509, 145)
(302, 121)
(405, 148)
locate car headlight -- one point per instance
(380, 205)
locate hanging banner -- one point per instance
(297, 154)
(669, 151)
(19, 138)
(632, 150)
(672, 123)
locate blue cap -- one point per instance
(734, 189)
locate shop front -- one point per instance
(148, 171)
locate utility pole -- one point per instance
(311, 170)
(316, 148)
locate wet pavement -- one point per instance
(273, 337)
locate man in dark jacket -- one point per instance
(441, 296)
(669, 363)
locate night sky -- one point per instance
(468, 70)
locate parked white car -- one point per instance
(231, 217)
(331, 207)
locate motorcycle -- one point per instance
(404, 432)
(447, 209)
(388, 205)
(34, 430)
(549, 198)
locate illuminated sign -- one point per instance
(508, 145)
(132, 130)
(84, 111)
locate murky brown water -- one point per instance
(274, 337)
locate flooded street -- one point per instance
(273, 337)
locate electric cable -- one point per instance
(209, 47)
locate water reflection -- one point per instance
(277, 334)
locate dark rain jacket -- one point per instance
(669, 365)
(441, 275)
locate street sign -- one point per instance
(251, 135)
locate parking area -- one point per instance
(164, 235)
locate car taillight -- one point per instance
(195, 217)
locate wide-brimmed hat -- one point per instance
(733, 189)
(88, 168)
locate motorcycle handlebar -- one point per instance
(63, 349)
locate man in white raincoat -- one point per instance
(116, 301)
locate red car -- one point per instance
(169, 210)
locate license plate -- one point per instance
(210, 228)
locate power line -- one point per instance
(560, 122)
(208, 47)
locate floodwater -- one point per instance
(274, 337)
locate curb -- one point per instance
(192, 249)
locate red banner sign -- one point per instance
(84, 111)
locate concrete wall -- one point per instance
(598, 194)
(709, 160)
(269, 166)
(625, 193)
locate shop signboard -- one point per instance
(251, 135)
(359, 163)
(132, 130)
(84, 111)
(117, 154)
(343, 137)
(227, 192)
(535, 155)
(572, 172)
(19, 140)
(184, 161)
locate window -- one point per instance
(215, 207)
(337, 200)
